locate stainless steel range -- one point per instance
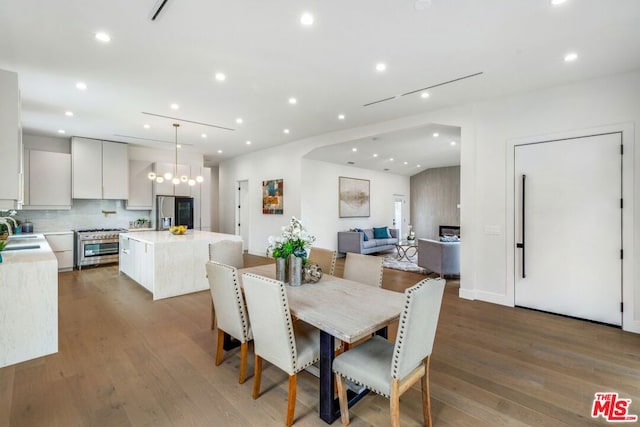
(97, 246)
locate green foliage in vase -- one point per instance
(294, 240)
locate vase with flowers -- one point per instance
(290, 251)
(411, 236)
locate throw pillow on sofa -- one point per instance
(381, 233)
(364, 235)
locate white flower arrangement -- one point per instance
(294, 240)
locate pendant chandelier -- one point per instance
(173, 177)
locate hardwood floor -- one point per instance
(126, 360)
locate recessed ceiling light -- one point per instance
(248, 143)
(391, 159)
(61, 131)
(219, 151)
(381, 66)
(221, 77)
(293, 101)
(146, 126)
(103, 37)
(436, 134)
(174, 106)
(570, 57)
(452, 143)
(286, 131)
(406, 163)
(306, 19)
(81, 86)
(204, 135)
(68, 113)
(239, 120)
(424, 95)
(417, 166)
(354, 149)
(375, 155)
(557, 2)
(341, 117)
(179, 145)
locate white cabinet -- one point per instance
(140, 186)
(202, 201)
(100, 169)
(47, 180)
(11, 180)
(115, 170)
(62, 247)
(136, 261)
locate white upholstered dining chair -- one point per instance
(365, 269)
(388, 369)
(227, 252)
(290, 346)
(325, 258)
(230, 311)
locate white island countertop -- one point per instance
(28, 301)
(168, 265)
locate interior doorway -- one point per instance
(568, 226)
(242, 212)
(399, 215)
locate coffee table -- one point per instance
(404, 248)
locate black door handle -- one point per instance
(521, 244)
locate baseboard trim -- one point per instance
(491, 297)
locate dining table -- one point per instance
(341, 309)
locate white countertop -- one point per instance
(44, 253)
(165, 236)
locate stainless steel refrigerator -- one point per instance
(174, 210)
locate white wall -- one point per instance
(46, 143)
(487, 129)
(319, 199)
(215, 199)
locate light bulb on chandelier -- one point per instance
(173, 177)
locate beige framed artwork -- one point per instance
(354, 197)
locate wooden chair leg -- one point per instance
(394, 403)
(291, 404)
(220, 349)
(342, 398)
(244, 347)
(213, 316)
(257, 376)
(426, 394)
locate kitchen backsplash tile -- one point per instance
(83, 214)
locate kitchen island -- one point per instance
(168, 265)
(28, 300)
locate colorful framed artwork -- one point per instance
(272, 197)
(353, 197)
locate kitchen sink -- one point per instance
(20, 247)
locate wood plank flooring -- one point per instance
(125, 360)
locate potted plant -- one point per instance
(290, 251)
(3, 244)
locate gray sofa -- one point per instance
(440, 257)
(353, 241)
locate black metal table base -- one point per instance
(329, 404)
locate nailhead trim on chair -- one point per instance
(239, 300)
(388, 396)
(285, 306)
(402, 327)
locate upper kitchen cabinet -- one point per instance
(202, 197)
(11, 179)
(47, 180)
(140, 186)
(100, 169)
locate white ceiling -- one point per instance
(405, 152)
(268, 57)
